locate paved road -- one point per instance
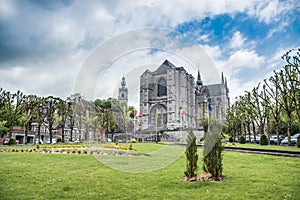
(294, 154)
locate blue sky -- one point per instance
(44, 45)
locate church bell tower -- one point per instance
(123, 91)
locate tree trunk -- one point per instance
(245, 131)
(50, 132)
(289, 123)
(39, 134)
(63, 132)
(268, 130)
(26, 127)
(261, 128)
(254, 131)
(249, 131)
(277, 131)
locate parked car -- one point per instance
(275, 140)
(54, 140)
(108, 140)
(5, 141)
(76, 141)
(252, 139)
(293, 140)
(37, 141)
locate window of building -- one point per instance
(162, 87)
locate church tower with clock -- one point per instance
(123, 92)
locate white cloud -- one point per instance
(244, 59)
(237, 40)
(270, 11)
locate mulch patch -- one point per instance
(204, 177)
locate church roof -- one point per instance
(162, 69)
(215, 89)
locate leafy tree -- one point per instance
(191, 155)
(62, 111)
(11, 108)
(286, 99)
(131, 111)
(3, 128)
(259, 108)
(71, 115)
(51, 106)
(273, 102)
(78, 110)
(29, 106)
(40, 115)
(292, 71)
(204, 124)
(106, 120)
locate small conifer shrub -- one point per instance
(298, 141)
(242, 140)
(191, 155)
(263, 140)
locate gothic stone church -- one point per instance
(170, 99)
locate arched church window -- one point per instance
(122, 95)
(162, 87)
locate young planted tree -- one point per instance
(191, 155)
(212, 152)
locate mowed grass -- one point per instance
(272, 147)
(62, 176)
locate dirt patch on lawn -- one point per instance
(204, 177)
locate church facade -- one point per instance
(171, 99)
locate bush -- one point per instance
(213, 157)
(58, 140)
(191, 155)
(12, 141)
(231, 139)
(133, 141)
(242, 140)
(263, 140)
(298, 141)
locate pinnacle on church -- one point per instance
(123, 83)
(199, 81)
(222, 79)
(166, 62)
(226, 86)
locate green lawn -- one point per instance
(274, 147)
(62, 176)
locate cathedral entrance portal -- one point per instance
(158, 117)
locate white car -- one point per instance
(53, 141)
(293, 140)
(37, 141)
(76, 141)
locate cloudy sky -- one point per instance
(61, 47)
